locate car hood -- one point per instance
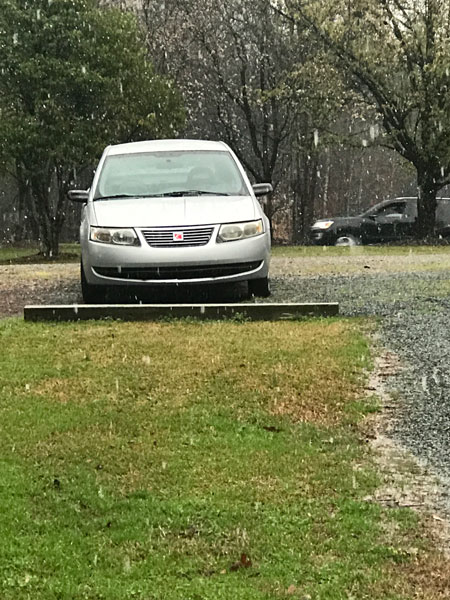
(337, 221)
(169, 211)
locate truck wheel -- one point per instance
(259, 287)
(346, 239)
(92, 294)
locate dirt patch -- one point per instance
(37, 284)
(58, 283)
(357, 263)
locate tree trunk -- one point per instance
(48, 232)
(269, 212)
(27, 205)
(426, 205)
(304, 187)
(49, 224)
(326, 184)
(47, 197)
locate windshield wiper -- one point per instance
(174, 194)
(178, 193)
(120, 196)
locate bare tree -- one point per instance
(246, 82)
(396, 55)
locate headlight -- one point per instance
(323, 224)
(109, 235)
(240, 231)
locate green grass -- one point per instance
(12, 253)
(306, 251)
(71, 252)
(156, 461)
(30, 254)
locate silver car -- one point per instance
(172, 212)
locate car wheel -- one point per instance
(346, 239)
(92, 294)
(259, 287)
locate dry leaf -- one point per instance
(291, 590)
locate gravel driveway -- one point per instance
(410, 294)
(414, 311)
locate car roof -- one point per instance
(165, 146)
(399, 199)
(411, 198)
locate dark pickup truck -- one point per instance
(388, 221)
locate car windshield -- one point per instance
(169, 174)
(378, 209)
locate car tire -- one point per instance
(259, 287)
(347, 239)
(92, 294)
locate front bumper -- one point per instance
(322, 237)
(240, 260)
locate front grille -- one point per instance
(164, 237)
(167, 273)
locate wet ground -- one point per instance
(312, 278)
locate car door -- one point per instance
(386, 222)
(405, 226)
(443, 217)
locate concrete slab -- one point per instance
(266, 311)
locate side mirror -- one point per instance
(78, 195)
(262, 189)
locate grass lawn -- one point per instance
(203, 461)
(71, 252)
(306, 251)
(30, 254)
